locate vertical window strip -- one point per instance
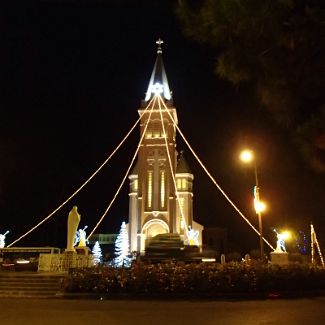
(179, 184)
(183, 183)
(162, 188)
(149, 188)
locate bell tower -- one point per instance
(153, 202)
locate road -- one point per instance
(118, 312)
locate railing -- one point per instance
(63, 262)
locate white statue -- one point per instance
(280, 244)
(3, 239)
(193, 236)
(73, 222)
(81, 237)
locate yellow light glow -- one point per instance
(286, 235)
(149, 188)
(162, 188)
(208, 259)
(259, 206)
(246, 156)
(179, 184)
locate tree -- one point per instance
(278, 48)
(122, 248)
(97, 252)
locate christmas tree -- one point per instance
(122, 249)
(97, 252)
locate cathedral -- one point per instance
(161, 183)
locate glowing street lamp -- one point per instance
(259, 206)
(247, 156)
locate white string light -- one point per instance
(128, 170)
(170, 162)
(213, 180)
(313, 242)
(85, 183)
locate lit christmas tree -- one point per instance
(97, 252)
(122, 249)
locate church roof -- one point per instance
(182, 166)
(158, 81)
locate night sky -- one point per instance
(73, 74)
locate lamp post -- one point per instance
(247, 156)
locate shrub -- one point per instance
(197, 279)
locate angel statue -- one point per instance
(81, 237)
(280, 244)
(3, 239)
(193, 236)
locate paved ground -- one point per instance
(115, 312)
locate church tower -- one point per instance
(160, 197)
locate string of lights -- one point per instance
(84, 184)
(152, 102)
(128, 170)
(170, 162)
(213, 180)
(313, 242)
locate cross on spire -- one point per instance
(159, 42)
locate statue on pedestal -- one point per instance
(280, 244)
(279, 255)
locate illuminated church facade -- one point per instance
(161, 183)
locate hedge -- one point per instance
(197, 280)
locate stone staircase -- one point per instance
(30, 285)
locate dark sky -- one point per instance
(73, 74)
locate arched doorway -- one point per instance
(152, 228)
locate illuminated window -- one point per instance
(183, 183)
(149, 188)
(162, 188)
(179, 184)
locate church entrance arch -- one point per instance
(152, 228)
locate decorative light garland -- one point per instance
(85, 183)
(129, 168)
(170, 162)
(160, 100)
(213, 180)
(152, 102)
(313, 242)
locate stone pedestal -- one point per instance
(69, 259)
(279, 258)
(82, 250)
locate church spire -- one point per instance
(158, 81)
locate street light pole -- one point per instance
(259, 211)
(248, 156)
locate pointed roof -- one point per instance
(158, 81)
(182, 166)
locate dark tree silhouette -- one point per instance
(277, 47)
